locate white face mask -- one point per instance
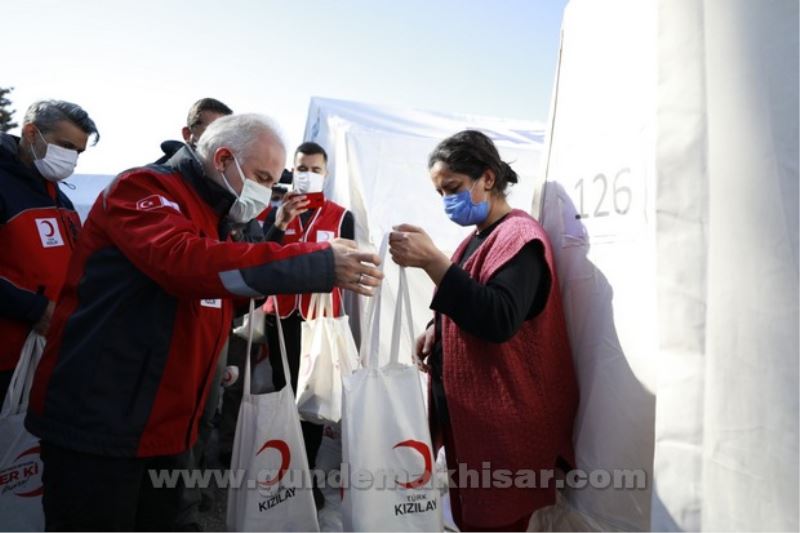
(58, 162)
(304, 182)
(253, 199)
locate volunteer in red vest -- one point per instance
(143, 314)
(293, 222)
(38, 224)
(503, 387)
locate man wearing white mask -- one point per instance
(144, 312)
(38, 224)
(296, 220)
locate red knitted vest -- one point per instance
(511, 404)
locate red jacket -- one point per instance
(38, 231)
(511, 404)
(325, 225)
(146, 309)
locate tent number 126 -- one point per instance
(597, 194)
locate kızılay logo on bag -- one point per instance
(417, 502)
(279, 496)
(286, 458)
(425, 452)
(20, 476)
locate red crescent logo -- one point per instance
(35, 492)
(31, 451)
(50, 227)
(424, 451)
(286, 456)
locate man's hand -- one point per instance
(355, 270)
(424, 347)
(410, 246)
(43, 324)
(293, 205)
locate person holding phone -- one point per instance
(305, 215)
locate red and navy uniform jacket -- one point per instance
(325, 224)
(38, 231)
(146, 308)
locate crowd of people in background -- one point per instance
(138, 302)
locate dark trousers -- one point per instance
(312, 433)
(85, 492)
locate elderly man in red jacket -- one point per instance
(145, 310)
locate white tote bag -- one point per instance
(386, 443)
(256, 319)
(20, 465)
(327, 352)
(269, 458)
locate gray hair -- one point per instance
(238, 133)
(44, 114)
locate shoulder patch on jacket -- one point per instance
(155, 201)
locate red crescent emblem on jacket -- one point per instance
(49, 227)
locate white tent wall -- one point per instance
(379, 159)
(750, 448)
(599, 212)
(689, 291)
(682, 234)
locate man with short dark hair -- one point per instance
(294, 222)
(202, 113)
(38, 224)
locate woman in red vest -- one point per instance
(503, 388)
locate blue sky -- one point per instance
(137, 66)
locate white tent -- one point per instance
(674, 138)
(378, 165)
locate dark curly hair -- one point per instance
(471, 152)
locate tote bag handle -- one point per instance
(281, 342)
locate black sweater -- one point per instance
(493, 312)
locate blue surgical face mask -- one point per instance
(463, 211)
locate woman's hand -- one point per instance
(292, 206)
(424, 347)
(410, 246)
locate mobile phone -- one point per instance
(315, 199)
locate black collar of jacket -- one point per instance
(189, 167)
(11, 164)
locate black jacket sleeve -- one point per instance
(20, 304)
(495, 311)
(271, 232)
